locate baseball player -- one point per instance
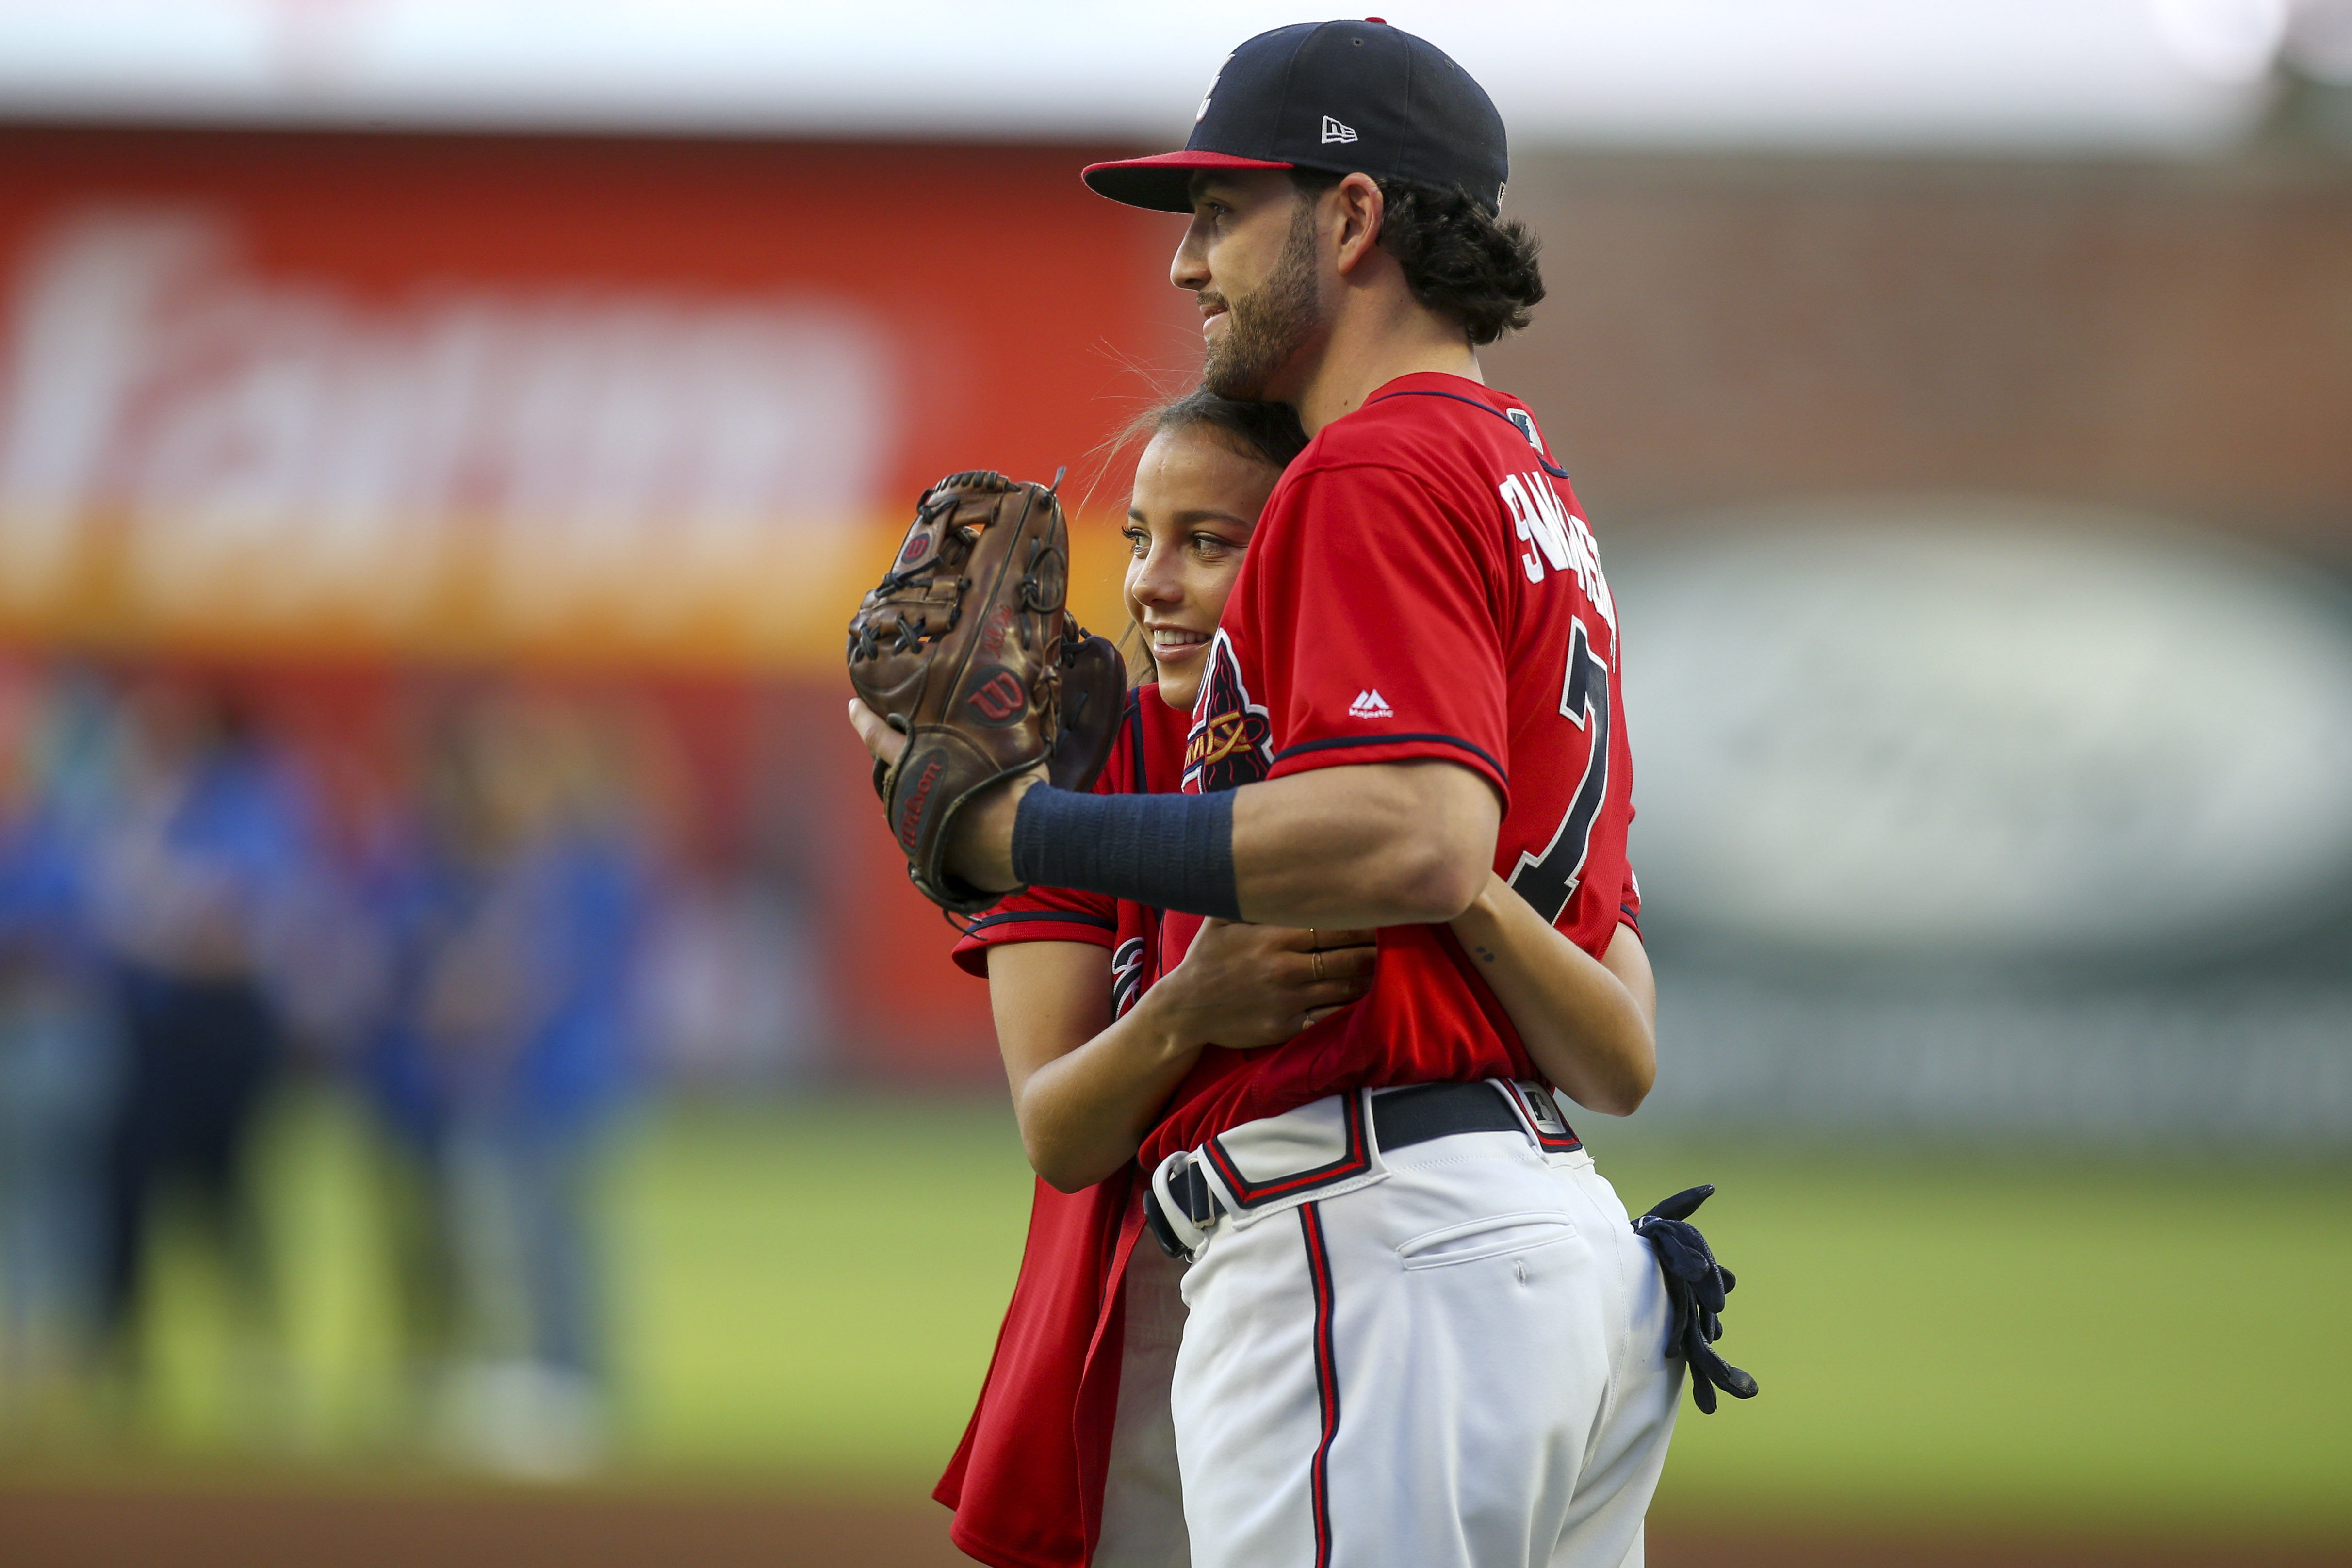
(1091, 1067)
(1419, 1329)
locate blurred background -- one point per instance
(473, 1078)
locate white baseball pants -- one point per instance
(1461, 1366)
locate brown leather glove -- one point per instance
(966, 649)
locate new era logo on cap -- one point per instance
(1369, 705)
(1340, 97)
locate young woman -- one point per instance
(1071, 1457)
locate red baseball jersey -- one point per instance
(1422, 584)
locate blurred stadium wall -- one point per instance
(329, 412)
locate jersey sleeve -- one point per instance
(1629, 903)
(1039, 914)
(1376, 619)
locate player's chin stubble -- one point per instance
(1266, 328)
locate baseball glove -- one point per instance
(967, 651)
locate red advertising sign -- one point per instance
(637, 402)
(643, 416)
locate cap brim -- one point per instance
(1162, 182)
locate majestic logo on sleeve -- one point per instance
(1231, 742)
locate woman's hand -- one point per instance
(1590, 1025)
(878, 738)
(1243, 986)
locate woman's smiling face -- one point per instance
(1196, 502)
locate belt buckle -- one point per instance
(1170, 1223)
(1155, 1220)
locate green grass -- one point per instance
(2154, 1342)
(807, 1292)
(815, 1288)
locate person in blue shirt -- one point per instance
(201, 862)
(512, 903)
(61, 1049)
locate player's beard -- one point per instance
(1269, 327)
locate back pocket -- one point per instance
(1490, 1237)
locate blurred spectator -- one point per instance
(512, 902)
(731, 991)
(204, 857)
(60, 1051)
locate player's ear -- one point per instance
(1360, 209)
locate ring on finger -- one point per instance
(1314, 942)
(1317, 954)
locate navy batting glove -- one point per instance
(1696, 1286)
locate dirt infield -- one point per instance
(96, 1528)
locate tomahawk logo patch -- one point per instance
(1231, 741)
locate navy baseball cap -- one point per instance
(1341, 97)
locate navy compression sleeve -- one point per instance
(1170, 851)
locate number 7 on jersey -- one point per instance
(1549, 880)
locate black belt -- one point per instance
(1404, 1116)
(1401, 1117)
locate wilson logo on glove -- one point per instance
(1000, 700)
(910, 814)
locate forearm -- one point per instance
(1385, 844)
(1584, 1027)
(1084, 1115)
(1396, 844)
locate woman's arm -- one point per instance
(1086, 1087)
(1589, 1024)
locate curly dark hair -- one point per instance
(1458, 258)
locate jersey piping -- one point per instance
(1400, 738)
(1554, 469)
(1053, 917)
